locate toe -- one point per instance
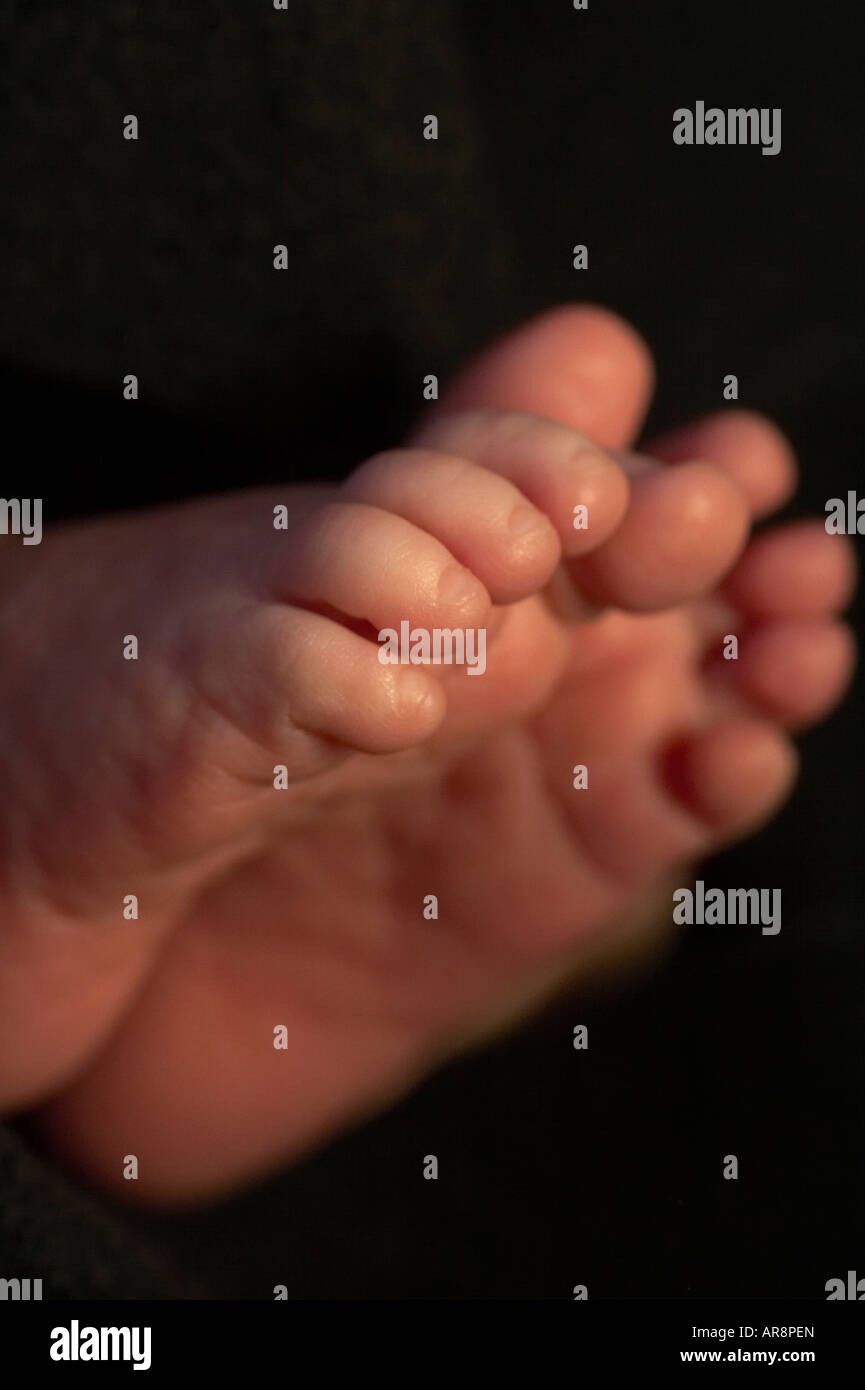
(577, 363)
(480, 517)
(682, 532)
(792, 670)
(733, 775)
(745, 445)
(375, 567)
(794, 571)
(304, 689)
(574, 482)
(681, 799)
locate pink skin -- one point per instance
(304, 907)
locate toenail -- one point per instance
(524, 519)
(458, 585)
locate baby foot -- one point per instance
(296, 907)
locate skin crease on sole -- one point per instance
(303, 908)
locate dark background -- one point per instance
(303, 127)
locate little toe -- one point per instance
(306, 689)
(372, 566)
(733, 775)
(640, 817)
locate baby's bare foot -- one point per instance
(281, 803)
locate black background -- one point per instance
(258, 127)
